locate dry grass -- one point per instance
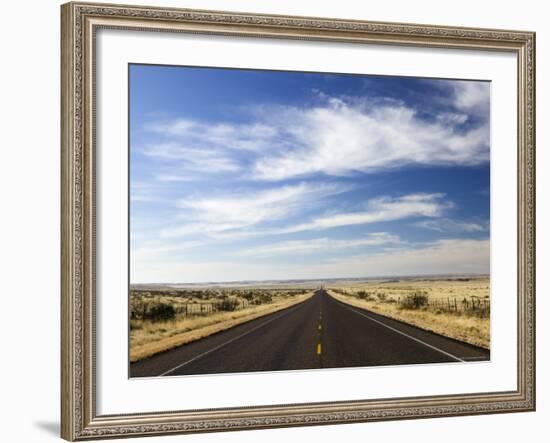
(150, 338)
(462, 326)
(477, 287)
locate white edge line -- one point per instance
(185, 363)
(480, 357)
(402, 333)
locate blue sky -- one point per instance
(258, 175)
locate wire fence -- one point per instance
(206, 308)
(159, 310)
(156, 305)
(471, 306)
(474, 306)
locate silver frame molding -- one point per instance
(79, 22)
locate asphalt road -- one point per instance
(318, 333)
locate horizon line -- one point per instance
(466, 274)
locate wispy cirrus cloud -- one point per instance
(143, 192)
(449, 225)
(231, 216)
(382, 209)
(156, 251)
(245, 136)
(319, 245)
(343, 138)
(237, 211)
(184, 163)
(338, 137)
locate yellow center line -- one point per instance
(319, 327)
(318, 348)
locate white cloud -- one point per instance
(381, 209)
(339, 137)
(318, 245)
(248, 137)
(240, 211)
(143, 192)
(452, 118)
(231, 217)
(140, 197)
(342, 138)
(472, 96)
(154, 252)
(183, 161)
(448, 225)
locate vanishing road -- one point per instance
(318, 333)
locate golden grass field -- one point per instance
(149, 337)
(387, 298)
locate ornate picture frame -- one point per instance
(80, 23)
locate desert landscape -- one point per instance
(165, 317)
(161, 319)
(457, 307)
(306, 220)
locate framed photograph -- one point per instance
(282, 221)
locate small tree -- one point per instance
(160, 311)
(263, 298)
(248, 295)
(228, 304)
(416, 300)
